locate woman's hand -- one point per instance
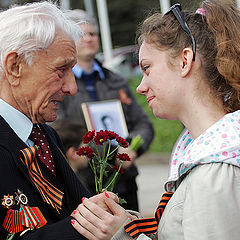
(99, 199)
(95, 222)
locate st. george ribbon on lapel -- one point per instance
(49, 193)
(148, 225)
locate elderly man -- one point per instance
(38, 189)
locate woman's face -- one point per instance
(160, 82)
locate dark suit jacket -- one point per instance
(14, 175)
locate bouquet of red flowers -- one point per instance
(99, 161)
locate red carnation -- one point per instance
(88, 137)
(122, 142)
(85, 151)
(98, 163)
(123, 157)
(111, 135)
(115, 167)
(101, 137)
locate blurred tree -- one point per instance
(126, 15)
(77, 4)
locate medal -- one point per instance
(8, 201)
(26, 218)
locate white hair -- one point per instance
(32, 27)
(80, 16)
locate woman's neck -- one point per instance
(199, 117)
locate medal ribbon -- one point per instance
(49, 193)
(13, 221)
(148, 225)
(32, 217)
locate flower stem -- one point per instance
(109, 154)
(95, 178)
(114, 178)
(92, 165)
(98, 180)
(101, 162)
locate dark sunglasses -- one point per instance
(176, 9)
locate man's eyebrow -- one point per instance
(67, 62)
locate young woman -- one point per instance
(191, 72)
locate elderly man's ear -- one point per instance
(13, 68)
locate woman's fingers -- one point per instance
(94, 220)
(83, 231)
(97, 211)
(99, 200)
(87, 219)
(115, 208)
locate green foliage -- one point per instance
(166, 131)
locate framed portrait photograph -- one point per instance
(105, 115)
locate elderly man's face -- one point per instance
(48, 81)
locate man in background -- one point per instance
(96, 83)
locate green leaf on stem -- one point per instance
(136, 143)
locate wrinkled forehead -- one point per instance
(67, 55)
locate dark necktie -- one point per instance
(89, 81)
(148, 225)
(44, 152)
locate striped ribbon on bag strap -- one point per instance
(148, 225)
(49, 193)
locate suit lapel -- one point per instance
(73, 189)
(10, 141)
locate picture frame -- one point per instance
(105, 115)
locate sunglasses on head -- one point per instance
(176, 10)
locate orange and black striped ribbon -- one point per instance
(13, 221)
(148, 225)
(49, 193)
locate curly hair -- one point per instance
(217, 34)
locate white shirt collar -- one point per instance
(78, 71)
(20, 124)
